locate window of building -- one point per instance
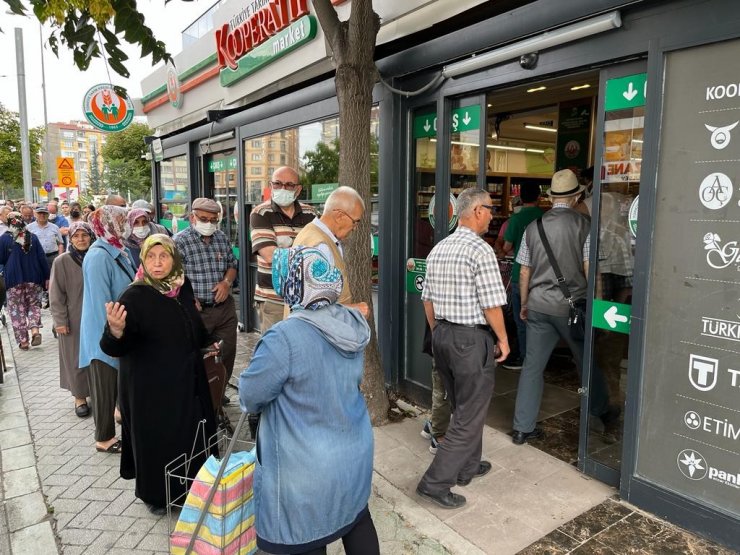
(257, 144)
(69, 144)
(256, 170)
(271, 144)
(80, 145)
(256, 157)
(68, 134)
(270, 157)
(174, 188)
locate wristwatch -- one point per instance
(228, 281)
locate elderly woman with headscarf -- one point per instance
(106, 271)
(138, 219)
(156, 331)
(65, 303)
(26, 275)
(315, 442)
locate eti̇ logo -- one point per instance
(720, 137)
(692, 464)
(703, 372)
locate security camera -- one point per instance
(529, 61)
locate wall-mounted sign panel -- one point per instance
(690, 398)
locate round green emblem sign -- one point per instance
(106, 110)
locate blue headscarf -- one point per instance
(304, 278)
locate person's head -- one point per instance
(144, 205)
(26, 213)
(304, 278)
(115, 200)
(42, 215)
(138, 219)
(111, 223)
(161, 265)
(75, 211)
(565, 188)
(53, 210)
(10, 203)
(475, 210)
(343, 211)
(165, 207)
(285, 186)
(81, 235)
(4, 211)
(89, 209)
(529, 192)
(65, 206)
(17, 226)
(204, 216)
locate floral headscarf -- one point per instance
(17, 228)
(169, 285)
(74, 227)
(134, 215)
(305, 278)
(110, 223)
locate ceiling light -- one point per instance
(536, 150)
(637, 140)
(540, 128)
(585, 28)
(541, 88)
(502, 147)
(579, 87)
(490, 105)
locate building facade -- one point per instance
(81, 142)
(645, 92)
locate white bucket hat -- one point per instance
(565, 184)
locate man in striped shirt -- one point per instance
(274, 224)
(463, 295)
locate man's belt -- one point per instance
(55, 253)
(484, 327)
(204, 304)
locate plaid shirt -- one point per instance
(205, 264)
(463, 279)
(524, 256)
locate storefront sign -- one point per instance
(691, 378)
(626, 92)
(425, 126)
(321, 191)
(106, 110)
(611, 316)
(451, 212)
(252, 40)
(222, 164)
(462, 119)
(574, 134)
(622, 171)
(632, 216)
(157, 150)
(416, 270)
(174, 94)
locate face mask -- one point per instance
(206, 229)
(141, 231)
(126, 230)
(283, 197)
(52, 217)
(75, 213)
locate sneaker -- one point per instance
(426, 431)
(434, 444)
(513, 363)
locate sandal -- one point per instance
(36, 339)
(82, 410)
(114, 449)
(23, 346)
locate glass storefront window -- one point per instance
(174, 189)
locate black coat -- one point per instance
(163, 391)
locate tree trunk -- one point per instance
(353, 45)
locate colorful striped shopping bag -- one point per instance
(228, 528)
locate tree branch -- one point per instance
(328, 19)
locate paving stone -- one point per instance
(25, 510)
(20, 482)
(62, 520)
(15, 437)
(103, 543)
(133, 536)
(9, 406)
(81, 484)
(155, 542)
(121, 503)
(52, 492)
(78, 536)
(84, 518)
(75, 506)
(34, 540)
(99, 494)
(112, 522)
(19, 457)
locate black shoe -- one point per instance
(612, 426)
(446, 500)
(159, 511)
(225, 401)
(484, 467)
(513, 363)
(521, 437)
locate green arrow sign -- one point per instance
(465, 119)
(625, 92)
(222, 164)
(425, 126)
(611, 316)
(416, 269)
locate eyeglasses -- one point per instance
(354, 222)
(290, 186)
(204, 220)
(489, 206)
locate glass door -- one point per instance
(613, 208)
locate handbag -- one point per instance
(577, 313)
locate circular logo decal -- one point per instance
(451, 212)
(572, 149)
(173, 86)
(715, 191)
(692, 420)
(632, 216)
(692, 464)
(107, 111)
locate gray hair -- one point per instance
(469, 199)
(343, 198)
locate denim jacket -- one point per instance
(315, 446)
(104, 279)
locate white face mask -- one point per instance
(206, 229)
(283, 197)
(126, 230)
(141, 231)
(52, 217)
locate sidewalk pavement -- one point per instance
(61, 496)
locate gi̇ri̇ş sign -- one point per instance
(106, 110)
(255, 38)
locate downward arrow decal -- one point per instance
(630, 93)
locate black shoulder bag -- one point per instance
(577, 316)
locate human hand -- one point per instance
(503, 346)
(523, 313)
(116, 315)
(62, 330)
(221, 290)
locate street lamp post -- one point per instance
(23, 110)
(47, 152)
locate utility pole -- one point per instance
(47, 153)
(25, 146)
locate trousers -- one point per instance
(465, 360)
(543, 333)
(221, 320)
(103, 394)
(361, 540)
(270, 314)
(440, 405)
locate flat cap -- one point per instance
(41, 208)
(207, 205)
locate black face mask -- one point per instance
(75, 213)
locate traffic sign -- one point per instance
(48, 186)
(611, 316)
(416, 269)
(625, 92)
(66, 172)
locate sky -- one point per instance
(65, 84)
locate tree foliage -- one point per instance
(11, 164)
(91, 29)
(126, 170)
(97, 177)
(321, 165)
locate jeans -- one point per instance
(521, 325)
